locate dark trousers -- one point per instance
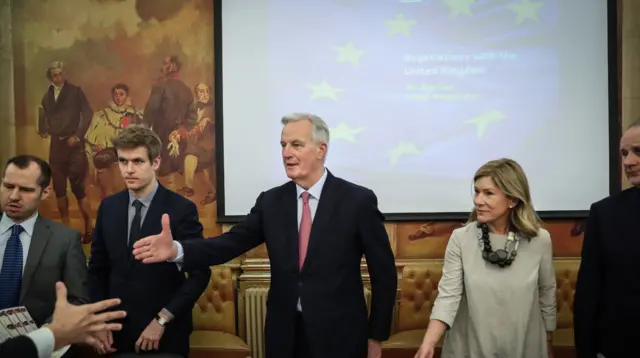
(301, 343)
(68, 163)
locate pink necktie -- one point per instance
(305, 229)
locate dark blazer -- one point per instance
(347, 224)
(70, 115)
(146, 289)
(21, 346)
(55, 254)
(607, 293)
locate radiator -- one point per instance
(255, 299)
(367, 299)
(255, 312)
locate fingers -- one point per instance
(107, 316)
(61, 293)
(110, 336)
(151, 260)
(91, 341)
(144, 243)
(138, 343)
(103, 305)
(166, 227)
(100, 327)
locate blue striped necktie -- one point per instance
(11, 272)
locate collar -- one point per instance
(316, 189)
(28, 225)
(57, 87)
(146, 200)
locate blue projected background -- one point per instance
(419, 94)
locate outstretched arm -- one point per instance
(203, 253)
(188, 228)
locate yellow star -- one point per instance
(402, 149)
(349, 53)
(400, 25)
(324, 90)
(342, 131)
(457, 7)
(526, 9)
(482, 122)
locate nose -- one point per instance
(630, 159)
(478, 199)
(15, 194)
(130, 167)
(286, 152)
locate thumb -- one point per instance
(166, 227)
(61, 293)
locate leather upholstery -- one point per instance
(566, 276)
(419, 288)
(214, 318)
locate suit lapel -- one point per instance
(154, 213)
(41, 234)
(121, 220)
(49, 100)
(289, 205)
(322, 217)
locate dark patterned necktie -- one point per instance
(11, 271)
(134, 232)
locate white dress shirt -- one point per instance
(44, 341)
(56, 91)
(25, 237)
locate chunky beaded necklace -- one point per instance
(501, 257)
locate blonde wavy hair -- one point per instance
(508, 176)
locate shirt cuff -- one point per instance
(180, 256)
(44, 341)
(167, 313)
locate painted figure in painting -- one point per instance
(170, 105)
(200, 152)
(66, 118)
(105, 126)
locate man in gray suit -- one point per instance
(36, 252)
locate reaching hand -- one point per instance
(375, 349)
(149, 339)
(157, 248)
(425, 351)
(76, 324)
(104, 342)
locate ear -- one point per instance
(513, 203)
(322, 150)
(45, 193)
(156, 163)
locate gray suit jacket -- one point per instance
(55, 254)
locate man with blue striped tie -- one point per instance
(11, 271)
(35, 252)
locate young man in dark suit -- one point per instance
(316, 306)
(607, 292)
(157, 298)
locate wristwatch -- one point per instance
(161, 321)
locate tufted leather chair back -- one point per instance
(215, 309)
(418, 290)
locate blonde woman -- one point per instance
(497, 294)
